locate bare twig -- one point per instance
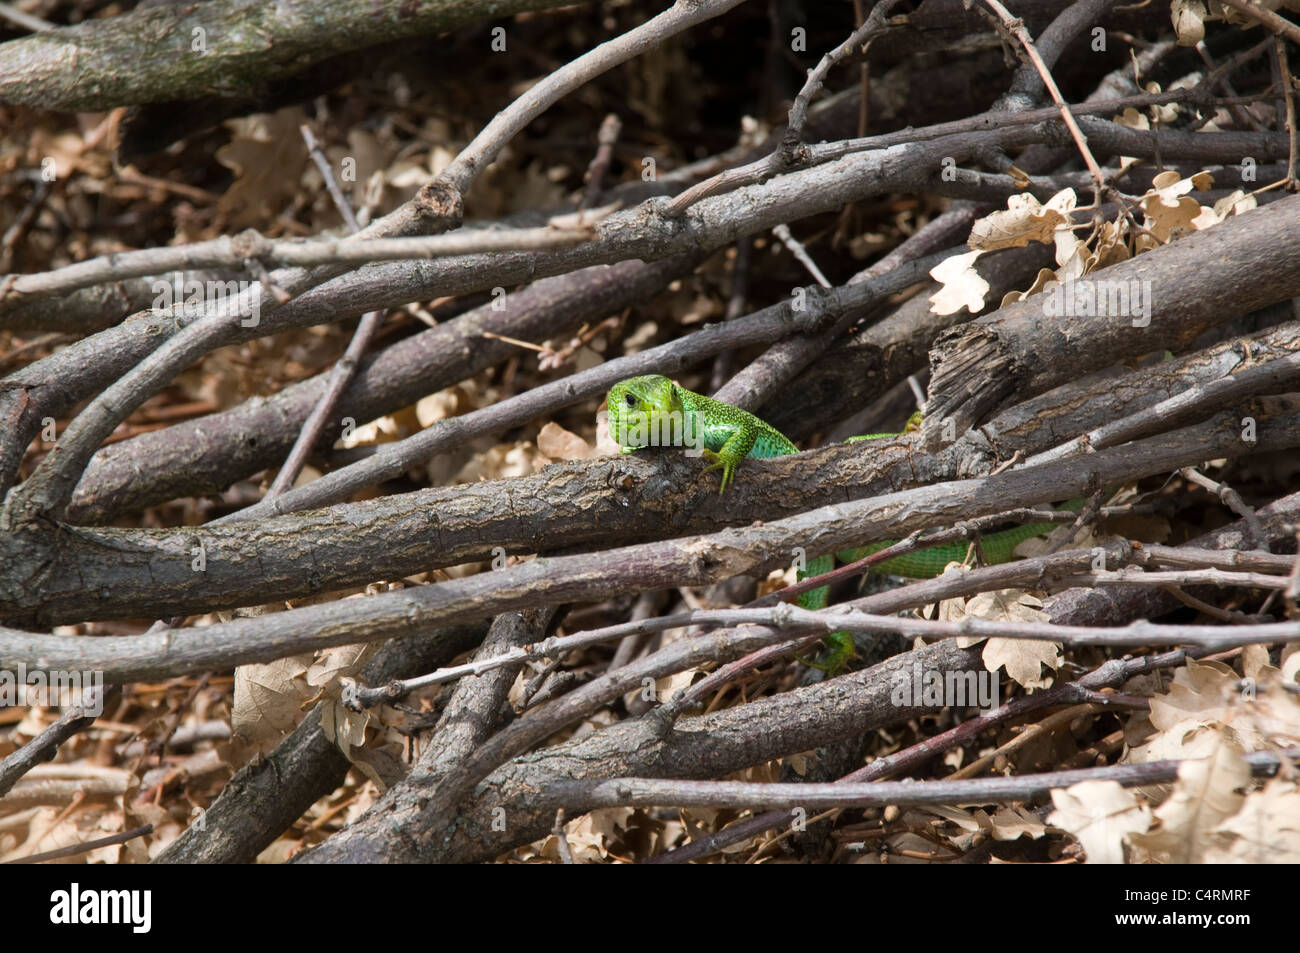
(1111, 673)
(25, 20)
(14, 233)
(1017, 28)
(46, 745)
(1229, 497)
(1271, 20)
(800, 253)
(345, 368)
(875, 25)
(72, 850)
(566, 854)
(1288, 92)
(596, 172)
(736, 299)
(653, 792)
(1247, 381)
(248, 246)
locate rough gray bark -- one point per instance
(1204, 279)
(149, 55)
(210, 453)
(625, 498)
(403, 828)
(692, 561)
(267, 795)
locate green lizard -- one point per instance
(651, 410)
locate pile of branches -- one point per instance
(603, 588)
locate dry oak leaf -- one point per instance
(1205, 795)
(1021, 658)
(588, 835)
(962, 285)
(1266, 830)
(266, 154)
(337, 662)
(1045, 277)
(1206, 697)
(1168, 209)
(268, 699)
(1200, 691)
(1189, 17)
(1024, 220)
(556, 443)
(1013, 821)
(1100, 814)
(1111, 246)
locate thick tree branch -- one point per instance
(1015, 353)
(170, 588)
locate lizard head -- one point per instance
(636, 407)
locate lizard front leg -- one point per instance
(735, 449)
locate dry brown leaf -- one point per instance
(1168, 210)
(962, 285)
(1205, 794)
(1235, 204)
(588, 835)
(1291, 663)
(1189, 18)
(1200, 691)
(500, 462)
(1045, 277)
(1266, 830)
(49, 828)
(1110, 246)
(1024, 220)
(1254, 660)
(1100, 814)
(1021, 658)
(338, 662)
(266, 154)
(1193, 738)
(381, 763)
(268, 700)
(1013, 821)
(962, 817)
(559, 444)
(1072, 255)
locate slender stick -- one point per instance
(1017, 28)
(1288, 91)
(656, 792)
(606, 137)
(1113, 672)
(345, 368)
(72, 850)
(237, 252)
(1275, 23)
(46, 745)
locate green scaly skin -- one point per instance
(652, 410)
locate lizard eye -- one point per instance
(631, 400)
